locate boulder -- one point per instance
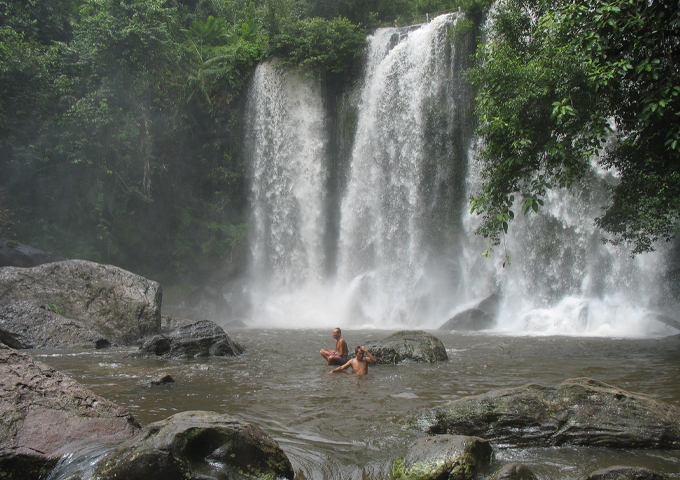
(200, 339)
(481, 317)
(408, 345)
(580, 411)
(514, 471)
(196, 444)
(115, 304)
(624, 473)
(450, 457)
(26, 325)
(45, 415)
(13, 254)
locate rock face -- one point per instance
(13, 254)
(624, 473)
(26, 325)
(200, 339)
(580, 411)
(45, 415)
(408, 345)
(451, 457)
(481, 317)
(192, 445)
(91, 300)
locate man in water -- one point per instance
(339, 355)
(360, 363)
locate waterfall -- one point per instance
(401, 250)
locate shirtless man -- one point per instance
(339, 355)
(359, 364)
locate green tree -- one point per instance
(561, 83)
(320, 46)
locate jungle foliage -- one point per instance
(561, 84)
(120, 120)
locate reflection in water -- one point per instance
(341, 426)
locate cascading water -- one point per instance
(402, 253)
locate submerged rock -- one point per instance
(193, 445)
(408, 345)
(451, 457)
(580, 411)
(514, 471)
(200, 339)
(624, 473)
(45, 415)
(92, 300)
(481, 317)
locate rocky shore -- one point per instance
(47, 416)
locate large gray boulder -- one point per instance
(450, 457)
(580, 411)
(45, 415)
(408, 345)
(200, 339)
(197, 445)
(26, 325)
(94, 300)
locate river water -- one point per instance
(341, 426)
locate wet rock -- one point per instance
(408, 345)
(45, 415)
(90, 298)
(580, 411)
(624, 473)
(161, 380)
(481, 317)
(14, 254)
(200, 339)
(514, 471)
(193, 445)
(451, 457)
(170, 324)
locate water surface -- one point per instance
(340, 426)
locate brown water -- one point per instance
(340, 426)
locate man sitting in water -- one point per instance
(339, 355)
(359, 364)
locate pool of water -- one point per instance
(341, 426)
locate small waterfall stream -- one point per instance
(403, 253)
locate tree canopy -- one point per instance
(561, 84)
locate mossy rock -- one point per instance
(443, 457)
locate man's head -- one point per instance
(336, 333)
(359, 352)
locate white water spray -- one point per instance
(405, 255)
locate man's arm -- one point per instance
(347, 365)
(369, 358)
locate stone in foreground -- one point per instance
(580, 411)
(45, 415)
(444, 457)
(197, 445)
(408, 345)
(200, 339)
